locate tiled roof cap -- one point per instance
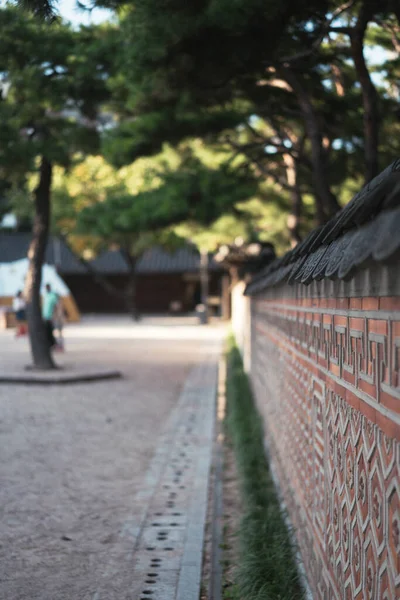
(366, 229)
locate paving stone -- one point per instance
(176, 547)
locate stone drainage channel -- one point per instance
(168, 547)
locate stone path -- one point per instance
(103, 486)
(168, 535)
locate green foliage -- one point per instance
(186, 66)
(43, 9)
(267, 569)
(146, 135)
(182, 71)
(191, 192)
(139, 195)
(54, 82)
(201, 49)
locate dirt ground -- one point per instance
(73, 457)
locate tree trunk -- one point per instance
(130, 295)
(369, 97)
(318, 160)
(293, 220)
(320, 215)
(97, 277)
(40, 347)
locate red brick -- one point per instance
(379, 327)
(349, 377)
(390, 402)
(367, 388)
(389, 427)
(341, 320)
(356, 323)
(339, 389)
(323, 363)
(327, 318)
(352, 399)
(323, 303)
(368, 411)
(335, 369)
(316, 302)
(370, 303)
(355, 303)
(396, 328)
(389, 303)
(342, 303)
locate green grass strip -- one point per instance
(267, 569)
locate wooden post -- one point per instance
(204, 284)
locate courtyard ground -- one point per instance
(102, 485)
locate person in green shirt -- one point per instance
(50, 302)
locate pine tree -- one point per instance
(53, 84)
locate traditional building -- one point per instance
(166, 281)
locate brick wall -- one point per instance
(325, 370)
(325, 373)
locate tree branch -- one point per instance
(393, 31)
(370, 97)
(254, 131)
(345, 30)
(286, 60)
(252, 159)
(97, 277)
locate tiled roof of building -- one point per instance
(154, 260)
(366, 230)
(14, 246)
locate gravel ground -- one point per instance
(73, 457)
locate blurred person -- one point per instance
(19, 307)
(50, 302)
(59, 319)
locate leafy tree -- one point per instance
(189, 192)
(53, 80)
(211, 58)
(256, 59)
(286, 86)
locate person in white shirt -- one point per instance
(19, 307)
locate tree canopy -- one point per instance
(299, 71)
(288, 86)
(300, 99)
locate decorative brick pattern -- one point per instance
(326, 376)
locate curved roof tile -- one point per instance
(367, 229)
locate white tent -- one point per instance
(12, 279)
